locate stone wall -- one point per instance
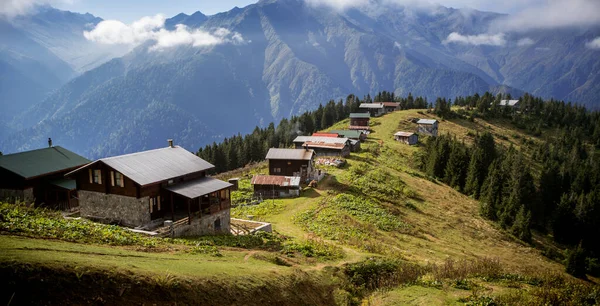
(14, 196)
(129, 211)
(205, 225)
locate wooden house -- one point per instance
(351, 134)
(146, 188)
(428, 127)
(291, 162)
(37, 177)
(390, 106)
(360, 121)
(276, 186)
(375, 109)
(406, 137)
(354, 143)
(509, 103)
(324, 146)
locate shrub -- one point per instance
(313, 248)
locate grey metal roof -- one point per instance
(277, 180)
(154, 166)
(198, 187)
(371, 105)
(508, 102)
(360, 115)
(330, 140)
(39, 162)
(404, 134)
(426, 121)
(290, 154)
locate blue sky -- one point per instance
(131, 10)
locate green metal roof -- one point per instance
(67, 184)
(360, 115)
(347, 133)
(34, 163)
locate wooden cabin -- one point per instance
(291, 162)
(324, 146)
(390, 106)
(375, 109)
(360, 121)
(146, 188)
(37, 177)
(428, 127)
(276, 186)
(406, 137)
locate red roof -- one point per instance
(326, 134)
(391, 104)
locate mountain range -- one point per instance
(293, 56)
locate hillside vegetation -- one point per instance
(377, 231)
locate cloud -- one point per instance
(152, 29)
(594, 44)
(338, 4)
(551, 14)
(524, 42)
(481, 39)
(12, 8)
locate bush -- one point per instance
(313, 248)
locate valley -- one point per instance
(447, 253)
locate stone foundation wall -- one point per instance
(14, 196)
(129, 211)
(205, 225)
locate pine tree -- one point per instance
(455, 172)
(522, 224)
(491, 192)
(474, 173)
(576, 262)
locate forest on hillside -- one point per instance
(562, 200)
(237, 151)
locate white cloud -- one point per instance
(551, 14)
(594, 44)
(338, 4)
(524, 42)
(152, 28)
(481, 39)
(12, 8)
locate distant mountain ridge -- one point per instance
(296, 57)
(40, 52)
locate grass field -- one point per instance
(378, 205)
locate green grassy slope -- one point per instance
(378, 205)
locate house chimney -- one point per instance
(49, 142)
(306, 147)
(170, 143)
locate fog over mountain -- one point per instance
(198, 78)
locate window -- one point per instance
(154, 203)
(276, 170)
(117, 179)
(95, 176)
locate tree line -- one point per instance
(561, 198)
(237, 151)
